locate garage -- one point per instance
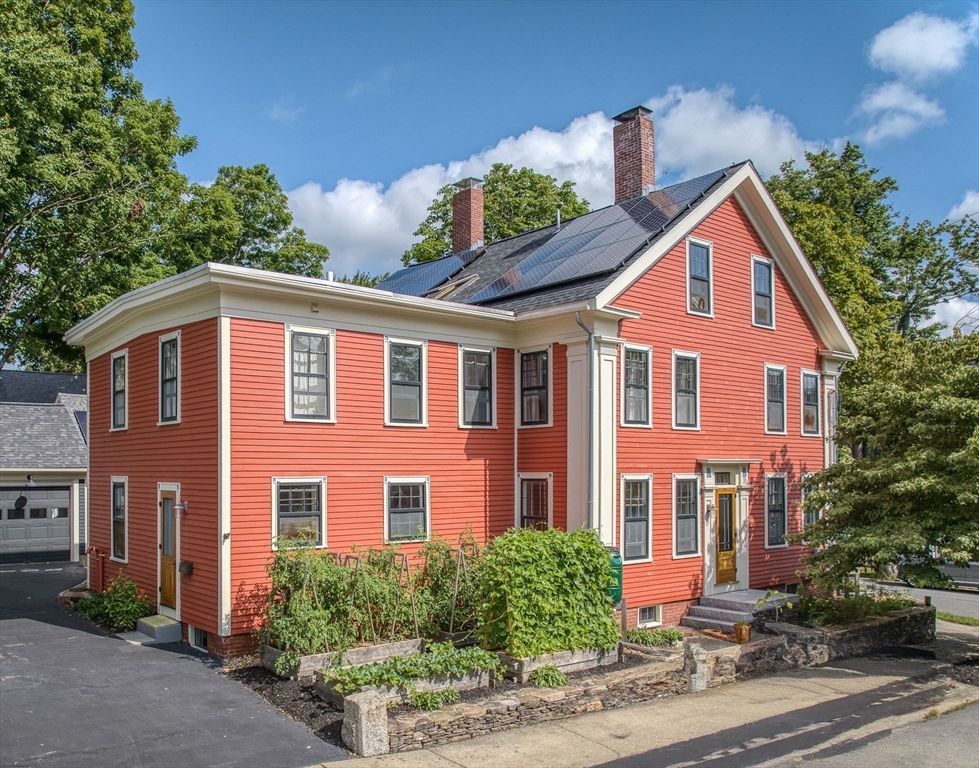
(35, 524)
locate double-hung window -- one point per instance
(310, 387)
(120, 387)
(775, 399)
(406, 369)
(775, 511)
(299, 512)
(810, 403)
(535, 501)
(699, 269)
(120, 517)
(534, 407)
(763, 307)
(636, 507)
(477, 387)
(170, 378)
(686, 390)
(406, 508)
(635, 387)
(686, 514)
(808, 516)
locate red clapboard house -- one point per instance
(662, 370)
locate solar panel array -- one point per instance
(420, 278)
(598, 242)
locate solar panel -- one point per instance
(598, 242)
(420, 278)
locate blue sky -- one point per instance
(363, 110)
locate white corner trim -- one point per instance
(425, 480)
(518, 486)
(770, 263)
(648, 424)
(331, 392)
(123, 353)
(175, 335)
(224, 477)
(461, 391)
(423, 345)
(785, 397)
(710, 276)
(700, 514)
(803, 372)
(648, 479)
(518, 383)
(677, 353)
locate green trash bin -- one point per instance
(615, 564)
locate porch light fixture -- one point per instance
(183, 506)
(30, 482)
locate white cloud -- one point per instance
(379, 82)
(922, 47)
(285, 114)
(968, 207)
(953, 312)
(897, 111)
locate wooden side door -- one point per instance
(726, 531)
(168, 549)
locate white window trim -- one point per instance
(785, 486)
(649, 386)
(113, 481)
(650, 624)
(550, 386)
(190, 637)
(803, 372)
(312, 480)
(159, 378)
(700, 516)
(112, 390)
(623, 479)
(331, 394)
(416, 479)
(388, 341)
(710, 275)
(802, 498)
(785, 399)
(549, 476)
(771, 266)
(491, 351)
(688, 355)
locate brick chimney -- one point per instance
(635, 154)
(467, 214)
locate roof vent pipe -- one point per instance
(558, 205)
(329, 275)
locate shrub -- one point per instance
(93, 609)
(118, 608)
(548, 676)
(546, 591)
(433, 699)
(828, 611)
(436, 583)
(655, 637)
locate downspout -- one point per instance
(591, 423)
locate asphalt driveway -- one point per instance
(72, 696)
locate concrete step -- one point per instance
(137, 638)
(745, 600)
(162, 629)
(702, 623)
(721, 614)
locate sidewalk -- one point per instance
(749, 722)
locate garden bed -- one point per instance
(325, 687)
(519, 669)
(354, 657)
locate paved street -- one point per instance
(960, 602)
(74, 697)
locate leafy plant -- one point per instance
(546, 591)
(655, 637)
(433, 699)
(773, 599)
(548, 676)
(742, 623)
(93, 609)
(446, 584)
(118, 608)
(828, 611)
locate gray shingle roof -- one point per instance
(40, 436)
(34, 387)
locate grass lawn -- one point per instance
(968, 620)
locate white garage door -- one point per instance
(35, 524)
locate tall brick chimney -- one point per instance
(467, 214)
(635, 154)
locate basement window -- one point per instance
(650, 616)
(197, 638)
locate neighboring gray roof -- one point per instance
(78, 405)
(540, 268)
(33, 387)
(40, 436)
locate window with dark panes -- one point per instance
(775, 400)
(810, 404)
(406, 383)
(763, 293)
(407, 508)
(168, 380)
(776, 512)
(15, 514)
(699, 259)
(477, 392)
(533, 503)
(686, 391)
(533, 388)
(119, 521)
(809, 516)
(39, 513)
(119, 392)
(636, 386)
(299, 512)
(635, 505)
(310, 376)
(687, 535)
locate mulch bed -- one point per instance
(966, 671)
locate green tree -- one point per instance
(910, 480)
(242, 218)
(87, 172)
(363, 279)
(514, 202)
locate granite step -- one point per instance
(162, 629)
(744, 601)
(702, 623)
(721, 614)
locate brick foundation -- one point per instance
(231, 646)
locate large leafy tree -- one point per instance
(515, 201)
(911, 479)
